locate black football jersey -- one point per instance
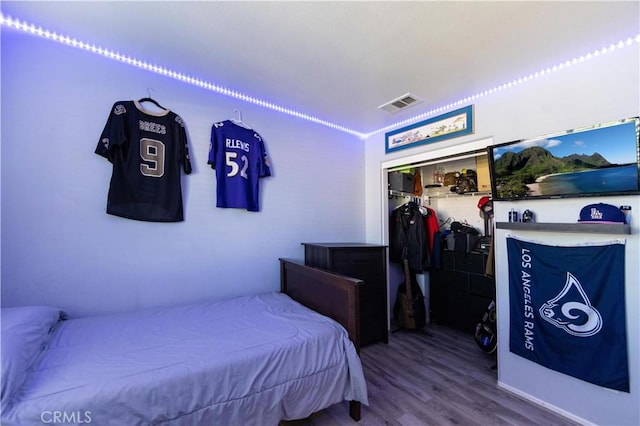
(147, 150)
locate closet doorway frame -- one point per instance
(411, 161)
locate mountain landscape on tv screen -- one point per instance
(535, 171)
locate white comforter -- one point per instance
(250, 360)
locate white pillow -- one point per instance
(25, 331)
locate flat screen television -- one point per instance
(598, 160)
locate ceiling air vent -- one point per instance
(402, 102)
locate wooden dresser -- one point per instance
(460, 291)
(367, 262)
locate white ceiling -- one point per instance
(340, 60)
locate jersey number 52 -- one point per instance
(231, 160)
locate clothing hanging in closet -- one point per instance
(407, 230)
(434, 236)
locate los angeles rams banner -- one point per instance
(567, 309)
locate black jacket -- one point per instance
(407, 229)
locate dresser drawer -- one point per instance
(460, 291)
(357, 262)
(448, 260)
(482, 286)
(473, 263)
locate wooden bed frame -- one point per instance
(333, 295)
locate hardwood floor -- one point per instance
(437, 378)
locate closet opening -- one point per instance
(445, 188)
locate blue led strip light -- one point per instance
(623, 43)
(32, 29)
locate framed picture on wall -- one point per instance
(446, 126)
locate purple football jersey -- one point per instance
(240, 159)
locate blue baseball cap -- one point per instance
(601, 213)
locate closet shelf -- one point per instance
(394, 193)
(587, 228)
(456, 195)
(427, 195)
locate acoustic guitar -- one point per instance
(406, 300)
(410, 302)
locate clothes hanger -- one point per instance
(150, 99)
(238, 119)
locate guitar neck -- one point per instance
(407, 280)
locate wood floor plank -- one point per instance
(439, 377)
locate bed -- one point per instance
(255, 359)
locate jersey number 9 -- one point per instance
(152, 153)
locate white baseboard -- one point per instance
(545, 404)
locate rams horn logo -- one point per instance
(576, 317)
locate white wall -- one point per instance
(602, 89)
(60, 247)
(590, 402)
